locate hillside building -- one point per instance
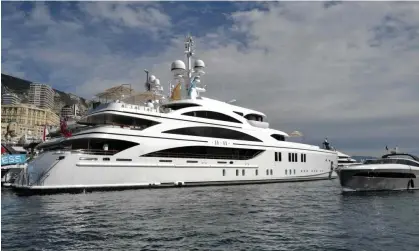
(41, 95)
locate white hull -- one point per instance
(54, 171)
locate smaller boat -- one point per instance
(393, 171)
(12, 163)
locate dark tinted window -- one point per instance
(393, 161)
(278, 137)
(386, 174)
(239, 113)
(207, 152)
(254, 117)
(213, 132)
(118, 120)
(212, 115)
(92, 145)
(177, 106)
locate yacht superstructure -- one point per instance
(345, 160)
(145, 140)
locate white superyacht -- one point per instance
(188, 140)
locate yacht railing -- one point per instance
(130, 107)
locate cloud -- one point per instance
(141, 16)
(347, 71)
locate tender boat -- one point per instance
(393, 171)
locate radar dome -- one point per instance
(199, 64)
(157, 81)
(178, 65)
(151, 78)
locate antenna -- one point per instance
(189, 46)
(146, 72)
(147, 82)
(189, 75)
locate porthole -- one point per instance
(267, 172)
(286, 171)
(271, 171)
(294, 171)
(243, 172)
(256, 172)
(237, 172)
(224, 172)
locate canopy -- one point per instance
(116, 92)
(296, 134)
(141, 98)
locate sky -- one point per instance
(348, 71)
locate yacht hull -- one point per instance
(353, 180)
(42, 190)
(77, 173)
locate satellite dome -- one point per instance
(152, 78)
(199, 64)
(157, 81)
(178, 65)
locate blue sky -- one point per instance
(345, 70)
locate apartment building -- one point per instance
(9, 99)
(28, 119)
(41, 95)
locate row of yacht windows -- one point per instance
(213, 132)
(212, 115)
(243, 172)
(392, 161)
(139, 123)
(268, 172)
(200, 114)
(118, 120)
(292, 157)
(206, 152)
(97, 146)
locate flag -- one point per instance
(45, 133)
(176, 93)
(63, 128)
(191, 86)
(386, 148)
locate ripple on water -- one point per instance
(293, 216)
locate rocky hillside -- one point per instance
(21, 88)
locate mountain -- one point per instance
(21, 88)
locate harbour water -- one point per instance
(284, 216)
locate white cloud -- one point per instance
(126, 14)
(346, 72)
